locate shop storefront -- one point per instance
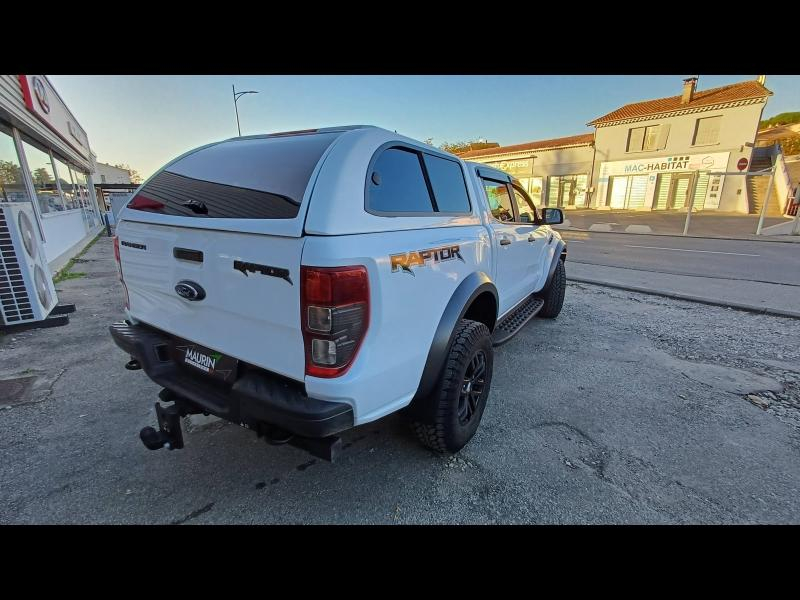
(567, 191)
(663, 183)
(522, 170)
(45, 160)
(554, 172)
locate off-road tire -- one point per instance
(447, 434)
(553, 294)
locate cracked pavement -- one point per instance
(628, 408)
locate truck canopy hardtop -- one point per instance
(267, 184)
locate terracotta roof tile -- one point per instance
(573, 140)
(744, 90)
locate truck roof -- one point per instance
(258, 136)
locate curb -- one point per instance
(677, 235)
(776, 312)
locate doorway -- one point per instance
(566, 190)
(567, 196)
(679, 190)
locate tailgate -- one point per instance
(228, 218)
(251, 309)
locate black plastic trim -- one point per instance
(512, 323)
(188, 254)
(256, 397)
(560, 254)
(467, 291)
(493, 174)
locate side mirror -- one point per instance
(552, 216)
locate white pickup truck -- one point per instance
(303, 283)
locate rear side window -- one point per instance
(262, 178)
(397, 183)
(403, 180)
(447, 182)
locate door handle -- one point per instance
(505, 241)
(531, 238)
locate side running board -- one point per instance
(510, 325)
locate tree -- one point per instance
(41, 176)
(133, 173)
(458, 147)
(9, 172)
(787, 118)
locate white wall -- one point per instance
(62, 231)
(111, 174)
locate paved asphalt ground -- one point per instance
(757, 274)
(628, 408)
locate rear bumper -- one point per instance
(256, 397)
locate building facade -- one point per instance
(45, 159)
(554, 172)
(668, 153)
(109, 174)
(663, 154)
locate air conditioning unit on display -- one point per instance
(27, 294)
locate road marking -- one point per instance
(685, 250)
(576, 241)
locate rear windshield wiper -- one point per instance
(196, 206)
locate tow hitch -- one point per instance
(169, 434)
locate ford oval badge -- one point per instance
(189, 290)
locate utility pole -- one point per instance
(236, 96)
(690, 192)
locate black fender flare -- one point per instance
(467, 291)
(559, 254)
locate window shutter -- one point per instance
(663, 135)
(635, 139)
(707, 130)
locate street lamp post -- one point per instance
(236, 96)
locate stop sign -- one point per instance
(742, 164)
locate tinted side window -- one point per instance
(396, 183)
(447, 181)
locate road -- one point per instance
(628, 408)
(757, 273)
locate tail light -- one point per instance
(119, 270)
(335, 317)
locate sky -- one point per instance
(145, 121)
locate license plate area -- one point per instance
(208, 362)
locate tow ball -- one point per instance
(169, 434)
